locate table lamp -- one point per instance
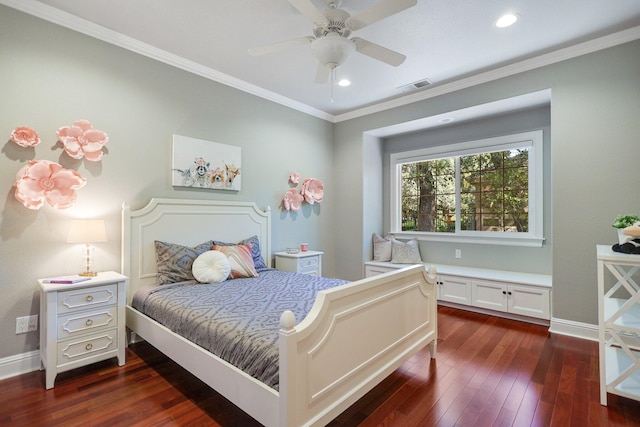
(87, 231)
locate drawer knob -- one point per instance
(88, 346)
(89, 322)
(89, 298)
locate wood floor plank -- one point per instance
(489, 372)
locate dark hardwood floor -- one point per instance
(489, 372)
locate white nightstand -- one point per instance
(81, 323)
(309, 262)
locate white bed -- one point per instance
(327, 360)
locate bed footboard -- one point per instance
(354, 337)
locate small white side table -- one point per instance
(309, 262)
(82, 323)
(618, 323)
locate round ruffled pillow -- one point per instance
(211, 267)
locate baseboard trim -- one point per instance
(19, 364)
(585, 331)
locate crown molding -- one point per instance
(72, 22)
(559, 55)
(56, 16)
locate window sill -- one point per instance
(504, 239)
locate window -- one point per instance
(488, 190)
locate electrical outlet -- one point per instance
(458, 253)
(22, 324)
(26, 324)
(33, 323)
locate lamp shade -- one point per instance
(87, 231)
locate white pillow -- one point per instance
(211, 267)
(406, 253)
(382, 247)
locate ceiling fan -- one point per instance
(332, 27)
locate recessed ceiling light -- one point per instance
(506, 20)
(344, 83)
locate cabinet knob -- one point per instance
(88, 346)
(89, 322)
(89, 298)
(504, 292)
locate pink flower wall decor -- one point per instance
(292, 200)
(312, 190)
(81, 140)
(294, 178)
(42, 180)
(25, 137)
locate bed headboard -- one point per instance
(186, 222)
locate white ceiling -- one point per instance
(444, 41)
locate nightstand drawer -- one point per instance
(86, 322)
(310, 263)
(85, 298)
(88, 346)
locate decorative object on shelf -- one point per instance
(304, 247)
(82, 140)
(42, 180)
(312, 191)
(621, 222)
(292, 251)
(205, 164)
(87, 231)
(25, 137)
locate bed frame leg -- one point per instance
(432, 348)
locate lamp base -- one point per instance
(88, 274)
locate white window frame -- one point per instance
(533, 237)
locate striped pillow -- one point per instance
(240, 259)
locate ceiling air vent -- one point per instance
(420, 84)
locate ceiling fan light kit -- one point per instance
(332, 50)
(330, 44)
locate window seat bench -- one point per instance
(515, 295)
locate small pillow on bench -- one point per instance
(405, 253)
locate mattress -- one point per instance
(237, 320)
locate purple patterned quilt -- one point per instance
(238, 320)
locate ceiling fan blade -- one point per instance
(277, 47)
(378, 11)
(309, 11)
(378, 52)
(322, 73)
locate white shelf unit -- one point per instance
(618, 323)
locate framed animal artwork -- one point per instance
(205, 164)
